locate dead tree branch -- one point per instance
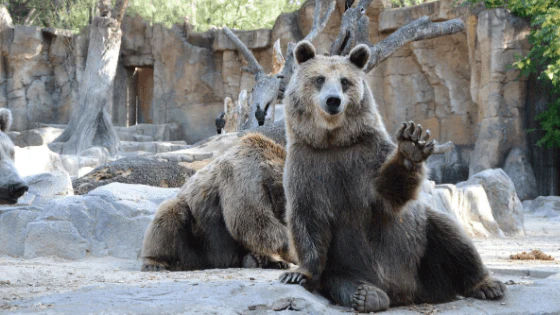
(419, 29)
(268, 88)
(319, 24)
(254, 66)
(348, 28)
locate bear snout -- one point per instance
(18, 189)
(332, 104)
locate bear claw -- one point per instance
(294, 277)
(369, 298)
(489, 289)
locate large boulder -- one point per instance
(519, 170)
(506, 206)
(469, 205)
(109, 221)
(544, 206)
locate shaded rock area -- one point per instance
(144, 171)
(519, 170)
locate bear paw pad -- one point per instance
(369, 298)
(413, 143)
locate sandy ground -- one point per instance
(115, 286)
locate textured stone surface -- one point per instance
(468, 204)
(545, 206)
(109, 221)
(54, 238)
(506, 206)
(459, 86)
(56, 183)
(521, 173)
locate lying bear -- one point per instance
(11, 185)
(229, 214)
(361, 237)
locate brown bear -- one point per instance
(361, 237)
(11, 185)
(229, 214)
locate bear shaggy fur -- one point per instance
(361, 237)
(11, 185)
(229, 214)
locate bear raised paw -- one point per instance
(361, 237)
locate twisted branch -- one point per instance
(419, 29)
(254, 66)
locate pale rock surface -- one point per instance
(37, 160)
(506, 206)
(53, 184)
(109, 221)
(108, 285)
(468, 204)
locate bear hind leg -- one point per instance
(452, 265)
(167, 240)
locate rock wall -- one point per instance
(37, 73)
(460, 86)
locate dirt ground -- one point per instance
(110, 285)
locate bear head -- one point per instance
(328, 101)
(11, 185)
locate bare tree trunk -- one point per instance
(90, 123)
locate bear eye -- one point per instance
(319, 80)
(345, 83)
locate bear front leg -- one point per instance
(311, 236)
(402, 174)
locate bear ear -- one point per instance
(359, 56)
(5, 119)
(304, 51)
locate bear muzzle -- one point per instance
(332, 104)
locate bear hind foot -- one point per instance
(153, 265)
(489, 289)
(369, 298)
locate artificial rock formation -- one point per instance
(459, 86)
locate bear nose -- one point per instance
(333, 102)
(17, 190)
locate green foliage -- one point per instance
(205, 14)
(543, 58)
(69, 14)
